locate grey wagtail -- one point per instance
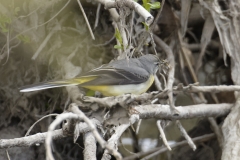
(134, 75)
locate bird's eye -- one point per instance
(156, 63)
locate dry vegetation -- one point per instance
(197, 41)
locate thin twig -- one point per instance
(43, 44)
(170, 58)
(162, 135)
(8, 155)
(8, 50)
(97, 15)
(158, 150)
(86, 19)
(157, 83)
(185, 135)
(138, 126)
(105, 43)
(157, 17)
(29, 130)
(216, 130)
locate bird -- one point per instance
(133, 75)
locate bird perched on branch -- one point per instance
(134, 75)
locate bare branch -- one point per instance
(123, 100)
(159, 111)
(84, 128)
(126, 99)
(90, 146)
(144, 111)
(40, 137)
(30, 140)
(132, 5)
(220, 88)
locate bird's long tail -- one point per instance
(55, 84)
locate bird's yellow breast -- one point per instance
(116, 90)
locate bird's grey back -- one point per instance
(150, 63)
(132, 65)
(136, 65)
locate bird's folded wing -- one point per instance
(116, 76)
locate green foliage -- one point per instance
(117, 47)
(4, 21)
(24, 38)
(119, 38)
(145, 26)
(148, 5)
(16, 10)
(90, 93)
(155, 5)
(12, 7)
